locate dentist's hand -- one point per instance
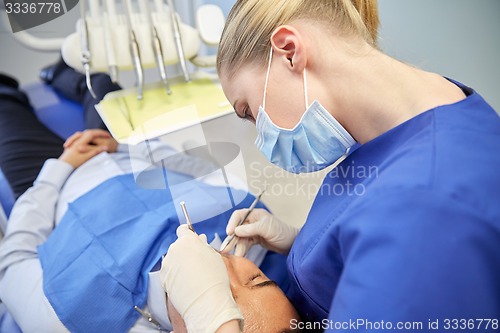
(196, 281)
(260, 228)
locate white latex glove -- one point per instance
(260, 228)
(196, 281)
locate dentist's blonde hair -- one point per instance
(247, 35)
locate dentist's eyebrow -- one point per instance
(269, 283)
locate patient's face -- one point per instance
(263, 304)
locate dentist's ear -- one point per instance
(288, 45)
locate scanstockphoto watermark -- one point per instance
(346, 179)
(357, 324)
(431, 325)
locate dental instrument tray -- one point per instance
(131, 121)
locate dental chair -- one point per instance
(152, 30)
(63, 117)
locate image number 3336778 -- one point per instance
(25, 14)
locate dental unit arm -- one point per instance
(154, 36)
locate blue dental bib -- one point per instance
(96, 262)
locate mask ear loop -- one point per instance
(267, 78)
(306, 97)
(305, 88)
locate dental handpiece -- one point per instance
(156, 44)
(84, 43)
(178, 40)
(108, 15)
(134, 51)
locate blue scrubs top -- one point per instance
(407, 228)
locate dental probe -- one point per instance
(230, 238)
(186, 215)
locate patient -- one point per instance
(83, 243)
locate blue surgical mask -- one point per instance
(316, 142)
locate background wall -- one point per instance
(457, 38)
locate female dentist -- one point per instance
(418, 245)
